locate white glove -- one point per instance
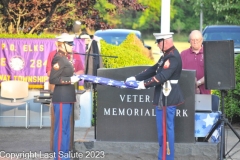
(141, 85)
(130, 79)
(74, 79)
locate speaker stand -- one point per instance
(221, 123)
(95, 110)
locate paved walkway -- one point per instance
(33, 143)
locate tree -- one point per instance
(210, 11)
(229, 9)
(150, 19)
(28, 16)
(33, 16)
(103, 6)
(186, 15)
(178, 26)
(147, 21)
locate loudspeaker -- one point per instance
(219, 64)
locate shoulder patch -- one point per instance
(56, 66)
(166, 64)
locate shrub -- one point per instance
(134, 43)
(130, 53)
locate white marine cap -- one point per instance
(162, 36)
(65, 37)
(85, 36)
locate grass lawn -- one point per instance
(179, 45)
(155, 50)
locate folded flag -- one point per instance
(108, 81)
(133, 84)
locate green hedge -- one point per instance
(232, 98)
(129, 53)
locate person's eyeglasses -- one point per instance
(195, 40)
(70, 43)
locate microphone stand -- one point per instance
(94, 54)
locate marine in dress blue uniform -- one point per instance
(168, 68)
(63, 97)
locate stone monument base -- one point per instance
(148, 151)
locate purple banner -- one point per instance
(26, 59)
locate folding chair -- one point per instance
(13, 93)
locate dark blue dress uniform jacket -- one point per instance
(60, 75)
(169, 67)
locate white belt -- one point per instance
(174, 81)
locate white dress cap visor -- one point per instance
(65, 37)
(163, 35)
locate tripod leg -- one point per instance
(216, 125)
(222, 146)
(237, 135)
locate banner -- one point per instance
(25, 59)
